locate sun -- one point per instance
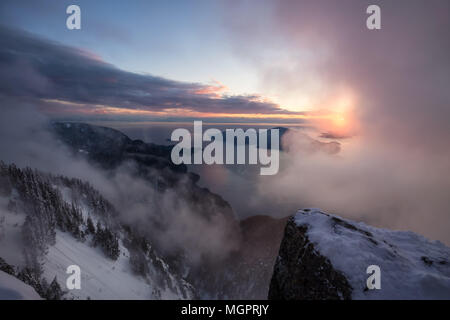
(337, 123)
(340, 121)
(339, 115)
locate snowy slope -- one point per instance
(12, 288)
(412, 267)
(101, 278)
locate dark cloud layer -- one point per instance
(36, 68)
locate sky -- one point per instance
(173, 40)
(234, 50)
(303, 62)
(181, 40)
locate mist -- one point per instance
(392, 170)
(370, 184)
(167, 218)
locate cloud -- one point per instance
(331, 135)
(398, 75)
(395, 173)
(36, 68)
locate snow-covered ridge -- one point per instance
(411, 266)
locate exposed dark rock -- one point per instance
(427, 261)
(324, 256)
(367, 234)
(302, 273)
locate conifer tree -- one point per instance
(54, 291)
(90, 226)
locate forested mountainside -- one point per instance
(50, 222)
(109, 149)
(243, 271)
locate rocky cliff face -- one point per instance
(302, 273)
(323, 256)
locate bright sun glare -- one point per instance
(340, 119)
